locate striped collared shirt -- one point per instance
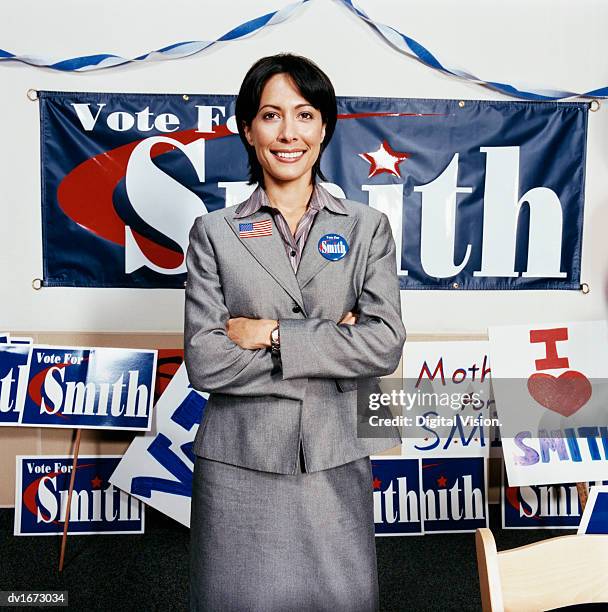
(294, 245)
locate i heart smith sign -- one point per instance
(550, 383)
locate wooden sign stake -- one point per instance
(583, 494)
(69, 504)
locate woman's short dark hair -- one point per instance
(314, 85)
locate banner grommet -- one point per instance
(594, 105)
(37, 284)
(32, 95)
(185, 97)
(585, 288)
(461, 103)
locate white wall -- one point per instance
(545, 43)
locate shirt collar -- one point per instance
(321, 198)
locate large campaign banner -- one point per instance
(550, 382)
(499, 206)
(41, 497)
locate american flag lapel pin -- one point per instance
(255, 229)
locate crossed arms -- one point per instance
(310, 348)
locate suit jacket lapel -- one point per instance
(326, 222)
(269, 251)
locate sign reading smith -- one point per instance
(480, 194)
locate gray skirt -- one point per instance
(265, 542)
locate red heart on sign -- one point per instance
(566, 394)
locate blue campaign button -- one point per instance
(333, 246)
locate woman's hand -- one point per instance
(255, 333)
(250, 333)
(350, 318)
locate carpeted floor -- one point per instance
(150, 572)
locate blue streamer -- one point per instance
(399, 41)
(174, 51)
(410, 47)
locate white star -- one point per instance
(384, 159)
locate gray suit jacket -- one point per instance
(258, 408)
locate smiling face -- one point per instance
(286, 132)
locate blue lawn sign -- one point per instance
(454, 494)
(14, 360)
(396, 493)
(94, 388)
(97, 506)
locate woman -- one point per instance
(282, 499)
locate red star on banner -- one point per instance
(96, 482)
(384, 160)
(376, 483)
(442, 481)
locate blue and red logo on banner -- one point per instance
(485, 195)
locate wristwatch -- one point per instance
(275, 340)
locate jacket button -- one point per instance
(296, 308)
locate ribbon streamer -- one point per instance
(399, 41)
(175, 51)
(411, 48)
